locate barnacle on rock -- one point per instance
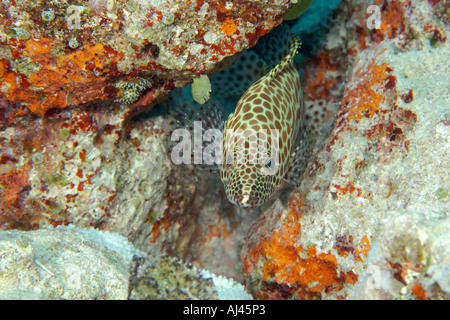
(65, 133)
(168, 18)
(37, 158)
(131, 6)
(22, 33)
(441, 193)
(73, 43)
(26, 66)
(130, 91)
(48, 15)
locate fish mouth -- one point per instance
(246, 206)
(245, 201)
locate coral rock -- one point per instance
(71, 53)
(64, 263)
(358, 219)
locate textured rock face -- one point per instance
(55, 54)
(169, 278)
(62, 264)
(73, 74)
(88, 165)
(73, 263)
(372, 210)
(409, 259)
(71, 167)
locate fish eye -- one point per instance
(270, 163)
